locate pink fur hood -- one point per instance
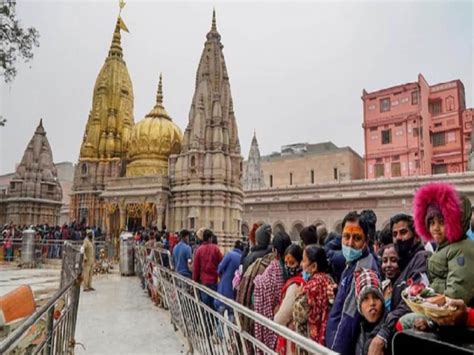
(447, 200)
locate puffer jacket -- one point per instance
(450, 270)
(344, 319)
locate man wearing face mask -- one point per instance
(413, 262)
(344, 319)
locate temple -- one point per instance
(34, 193)
(149, 174)
(253, 177)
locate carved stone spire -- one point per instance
(253, 176)
(210, 165)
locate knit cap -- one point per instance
(263, 235)
(367, 281)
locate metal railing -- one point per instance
(51, 329)
(206, 330)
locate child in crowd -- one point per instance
(443, 215)
(370, 304)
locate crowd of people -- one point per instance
(49, 238)
(343, 291)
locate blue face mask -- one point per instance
(351, 254)
(306, 276)
(388, 304)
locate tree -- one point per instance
(15, 41)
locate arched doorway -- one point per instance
(295, 230)
(278, 227)
(338, 227)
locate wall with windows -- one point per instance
(416, 129)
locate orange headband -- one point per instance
(353, 230)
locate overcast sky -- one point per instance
(296, 70)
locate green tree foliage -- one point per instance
(16, 42)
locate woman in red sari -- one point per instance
(311, 308)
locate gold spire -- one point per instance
(159, 94)
(116, 46)
(159, 110)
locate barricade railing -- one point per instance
(51, 329)
(207, 330)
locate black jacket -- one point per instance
(418, 265)
(255, 253)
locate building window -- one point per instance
(440, 169)
(416, 132)
(84, 169)
(373, 129)
(291, 178)
(414, 97)
(439, 139)
(271, 180)
(417, 164)
(211, 225)
(335, 174)
(396, 158)
(387, 136)
(385, 105)
(396, 170)
(439, 124)
(435, 107)
(379, 170)
(312, 176)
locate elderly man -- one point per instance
(344, 319)
(413, 261)
(89, 257)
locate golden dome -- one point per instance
(152, 141)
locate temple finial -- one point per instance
(121, 6)
(214, 26)
(159, 94)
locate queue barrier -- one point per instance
(206, 330)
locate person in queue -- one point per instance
(444, 215)
(344, 319)
(311, 307)
(182, 255)
(370, 304)
(284, 311)
(226, 270)
(205, 263)
(263, 236)
(412, 263)
(390, 272)
(267, 288)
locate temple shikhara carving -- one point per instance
(149, 173)
(253, 177)
(34, 194)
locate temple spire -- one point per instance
(214, 26)
(116, 46)
(159, 94)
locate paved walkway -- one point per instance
(119, 318)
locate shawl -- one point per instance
(266, 296)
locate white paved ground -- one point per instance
(43, 282)
(119, 318)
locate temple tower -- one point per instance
(103, 151)
(253, 177)
(205, 178)
(34, 195)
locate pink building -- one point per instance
(416, 129)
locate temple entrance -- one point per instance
(134, 224)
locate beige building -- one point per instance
(304, 164)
